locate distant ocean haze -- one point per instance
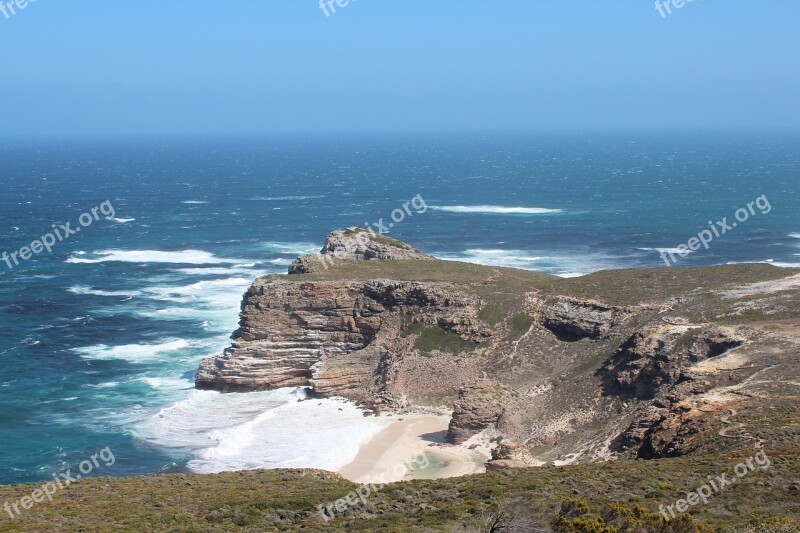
(101, 338)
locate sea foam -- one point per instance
(188, 257)
(270, 429)
(133, 353)
(494, 209)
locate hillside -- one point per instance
(605, 397)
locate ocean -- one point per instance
(99, 340)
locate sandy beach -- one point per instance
(412, 448)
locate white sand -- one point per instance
(411, 449)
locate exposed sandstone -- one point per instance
(509, 454)
(355, 244)
(340, 338)
(479, 407)
(571, 319)
(660, 355)
(587, 379)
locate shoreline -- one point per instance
(412, 447)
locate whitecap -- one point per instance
(166, 383)
(285, 198)
(215, 303)
(666, 250)
(194, 202)
(190, 257)
(133, 353)
(219, 271)
(290, 248)
(783, 264)
(226, 432)
(121, 220)
(493, 257)
(562, 264)
(495, 209)
(794, 235)
(80, 289)
(106, 385)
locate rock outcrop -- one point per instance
(509, 454)
(355, 244)
(340, 338)
(659, 356)
(526, 356)
(571, 319)
(479, 407)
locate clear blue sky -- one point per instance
(243, 66)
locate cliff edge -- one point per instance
(627, 363)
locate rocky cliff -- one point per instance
(355, 244)
(626, 363)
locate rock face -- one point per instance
(571, 319)
(517, 353)
(341, 338)
(510, 454)
(659, 356)
(479, 407)
(355, 244)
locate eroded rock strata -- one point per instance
(615, 364)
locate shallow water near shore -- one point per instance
(99, 341)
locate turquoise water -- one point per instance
(99, 340)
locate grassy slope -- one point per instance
(285, 500)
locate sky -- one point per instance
(103, 67)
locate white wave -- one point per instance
(194, 202)
(170, 383)
(121, 220)
(284, 198)
(134, 353)
(563, 265)
(106, 385)
(783, 265)
(509, 258)
(188, 257)
(80, 289)
(220, 271)
(495, 209)
(666, 250)
(202, 291)
(260, 430)
(794, 235)
(571, 274)
(290, 248)
(213, 303)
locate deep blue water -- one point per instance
(100, 338)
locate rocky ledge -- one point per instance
(624, 363)
(355, 244)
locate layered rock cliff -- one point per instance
(355, 244)
(627, 363)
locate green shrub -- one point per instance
(432, 338)
(520, 324)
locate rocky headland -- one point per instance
(603, 398)
(629, 363)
